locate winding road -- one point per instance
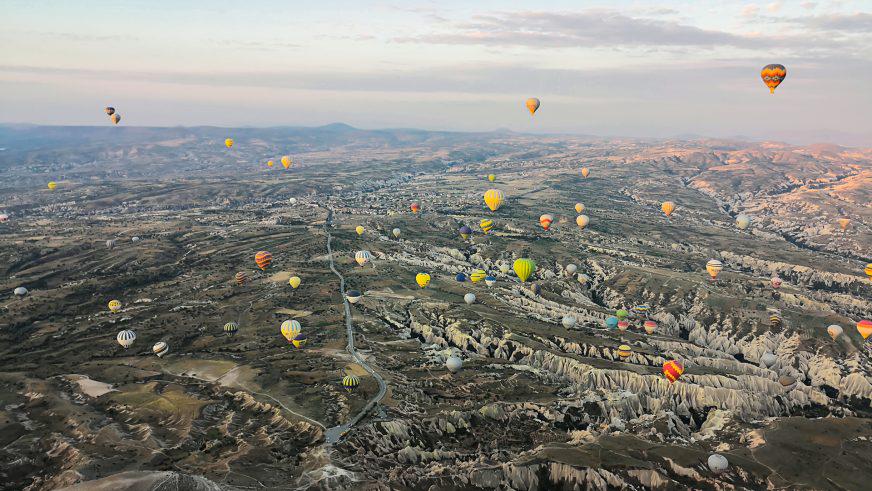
(334, 434)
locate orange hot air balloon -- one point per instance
(843, 223)
(865, 328)
(263, 259)
(672, 370)
(773, 75)
(415, 207)
(532, 105)
(585, 171)
(286, 161)
(868, 270)
(545, 221)
(668, 207)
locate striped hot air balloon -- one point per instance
(362, 257)
(114, 306)
(773, 75)
(494, 199)
(231, 328)
(263, 259)
(486, 225)
(868, 270)
(160, 348)
(290, 328)
(545, 221)
(524, 268)
(126, 338)
(650, 326)
(299, 340)
(623, 325)
(350, 382)
(714, 268)
(775, 319)
(672, 370)
(241, 278)
(624, 351)
(477, 275)
(864, 327)
(465, 232)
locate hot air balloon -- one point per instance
(504, 268)
(241, 278)
(134, 239)
(362, 257)
(545, 221)
(571, 269)
(286, 161)
(231, 328)
(776, 282)
(396, 233)
(460, 277)
(624, 351)
(582, 221)
(109, 111)
(568, 321)
(52, 185)
(228, 142)
(300, 340)
(714, 267)
(650, 326)
(415, 207)
(773, 75)
(453, 364)
(477, 275)
(3, 217)
(585, 172)
(583, 278)
(843, 223)
(579, 207)
(494, 198)
(469, 298)
(115, 118)
(621, 314)
(490, 281)
(350, 382)
(535, 288)
(20, 291)
(270, 163)
(524, 268)
(788, 382)
(775, 319)
(294, 281)
(742, 221)
(864, 327)
(668, 207)
(422, 279)
(359, 229)
(718, 463)
(291, 328)
(868, 270)
(642, 309)
(491, 177)
(623, 325)
(532, 105)
(612, 322)
(126, 338)
(672, 370)
(160, 348)
(768, 359)
(486, 225)
(834, 331)
(114, 306)
(263, 260)
(465, 231)
(353, 296)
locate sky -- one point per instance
(612, 68)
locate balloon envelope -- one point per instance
(453, 364)
(718, 463)
(469, 298)
(773, 75)
(524, 268)
(494, 199)
(532, 105)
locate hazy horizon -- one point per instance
(611, 69)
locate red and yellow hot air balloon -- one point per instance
(773, 75)
(532, 105)
(415, 207)
(545, 221)
(668, 207)
(585, 172)
(494, 198)
(865, 328)
(672, 370)
(263, 259)
(868, 270)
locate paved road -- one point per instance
(335, 433)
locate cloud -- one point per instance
(808, 5)
(750, 10)
(860, 22)
(774, 6)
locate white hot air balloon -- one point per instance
(453, 364)
(742, 221)
(834, 331)
(135, 239)
(292, 201)
(583, 278)
(568, 321)
(126, 338)
(718, 463)
(768, 359)
(396, 233)
(20, 291)
(469, 298)
(571, 269)
(160, 348)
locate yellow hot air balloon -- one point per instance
(52, 185)
(773, 75)
(868, 270)
(286, 161)
(494, 198)
(359, 229)
(668, 207)
(228, 142)
(579, 207)
(486, 225)
(270, 163)
(524, 268)
(477, 275)
(114, 305)
(290, 329)
(294, 281)
(585, 172)
(491, 177)
(843, 223)
(423, 279)
(582, 221)
(532, 105)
